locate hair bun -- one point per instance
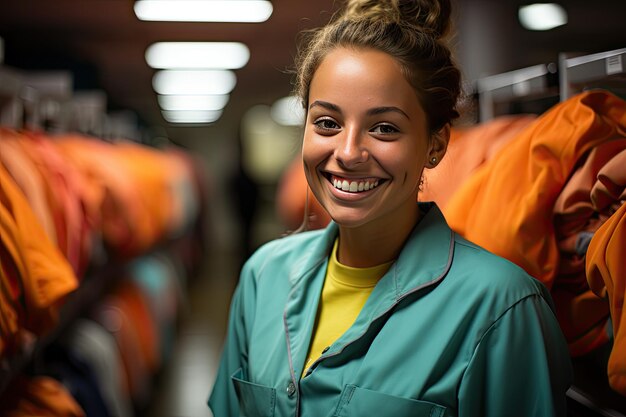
(432, 16)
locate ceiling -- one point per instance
(103, 44)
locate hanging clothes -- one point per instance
(468, 149)
(20, 166)
(43, 277)
(39, 396)
(533, 203)
(605, 262)
(67, 196)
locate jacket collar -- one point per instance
(424, 260)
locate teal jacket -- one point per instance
(450, 330)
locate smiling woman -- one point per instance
(366, 128)
(386, 311)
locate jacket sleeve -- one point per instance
(223, 399)
(521, 366)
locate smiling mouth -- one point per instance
(354, 186)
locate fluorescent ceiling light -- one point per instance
(288, 111)
(187, 102)
(193, 82)
(198, 117)
(181, 55)
(542, 16)
(250, 11)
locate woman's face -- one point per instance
(365, 140)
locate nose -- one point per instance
(351, 149)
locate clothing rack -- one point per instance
(46, 100)
(44, 104)
(531, 82)
(590, 394)
(11, 109)
(604, 69)
(111, 265)
(90, 290)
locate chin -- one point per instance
(348, 218)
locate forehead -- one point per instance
(363, 75)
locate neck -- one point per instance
(370, 245)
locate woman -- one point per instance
(386, 312)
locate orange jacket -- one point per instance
(43, 274)
(531, 202)
(468, 149)
(507, 205)
(606, 274)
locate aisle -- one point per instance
(182, 388)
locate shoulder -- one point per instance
(493, 277)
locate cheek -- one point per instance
(310, 158)
(314, 150)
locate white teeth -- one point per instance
(354, 186)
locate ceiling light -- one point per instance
(192, 82)
(197, 117)
(250, 11)
(187, 102)
(542, 16)
(288, 111)
(171, 55)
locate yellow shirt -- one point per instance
(344, 294)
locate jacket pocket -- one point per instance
(357, 401)
(254, 400)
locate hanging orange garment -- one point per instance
(39, 396)
(150, 169)
(582, 315)
(606, 268)
(28, 179)
(606, 274)
(110, 313)
(11, 310)
(44, 274)
(468, 149)
(65, 191)
(135, 306)
(610, 187)
(113, 197)
(507, 205)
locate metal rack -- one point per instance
(531, 82)
(604, 69)
(590, 394)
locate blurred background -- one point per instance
(102, 44)
(97, 67)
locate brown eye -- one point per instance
(326, 124)
(385, 129)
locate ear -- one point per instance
(438, 146)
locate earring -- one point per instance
(433, 160)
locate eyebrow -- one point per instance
(370, 112)
(326, 105)
(386, 109)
